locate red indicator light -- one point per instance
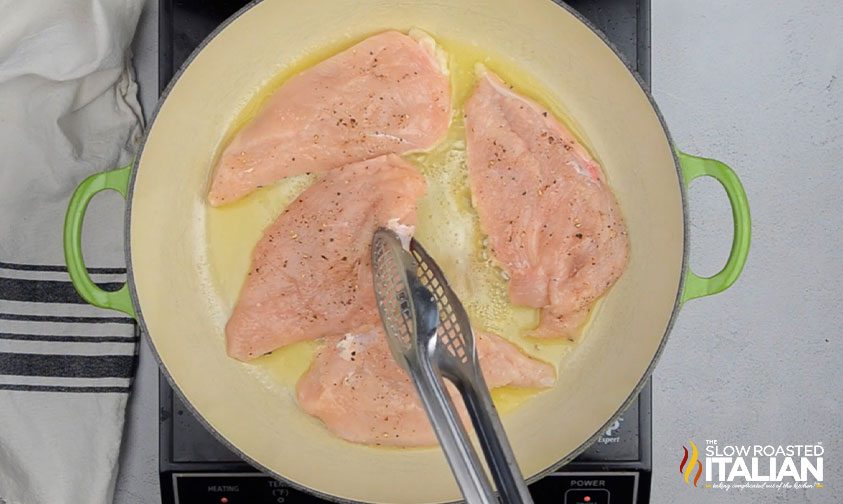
(224, 500)
(586, 499)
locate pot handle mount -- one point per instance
(117, 180)
(692, 168)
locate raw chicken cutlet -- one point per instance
(553, 224)
(311, 272)
(362, 395)
(387, 94)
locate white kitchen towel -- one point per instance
(68, 108)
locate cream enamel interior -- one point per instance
(182, 312)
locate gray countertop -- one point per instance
(757, 84)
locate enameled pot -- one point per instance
(170, 293)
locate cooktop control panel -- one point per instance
(235, 488)
(249, 488)
(588, 488)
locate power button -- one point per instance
(591, 496)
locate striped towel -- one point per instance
(68, 108)
(52, 341)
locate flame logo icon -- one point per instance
(686, 467)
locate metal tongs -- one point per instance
(430, 336)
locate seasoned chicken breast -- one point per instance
(311, 272)
(552, 221)
(387, 94)
(362, 395)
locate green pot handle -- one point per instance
(694, 167)
(117, 180)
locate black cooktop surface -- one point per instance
(197, 468)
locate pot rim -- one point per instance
(237, 451)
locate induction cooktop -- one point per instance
(196, 468)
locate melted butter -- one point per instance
(447, 224)
(508, 398)
(287, 364)
(234, 230)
